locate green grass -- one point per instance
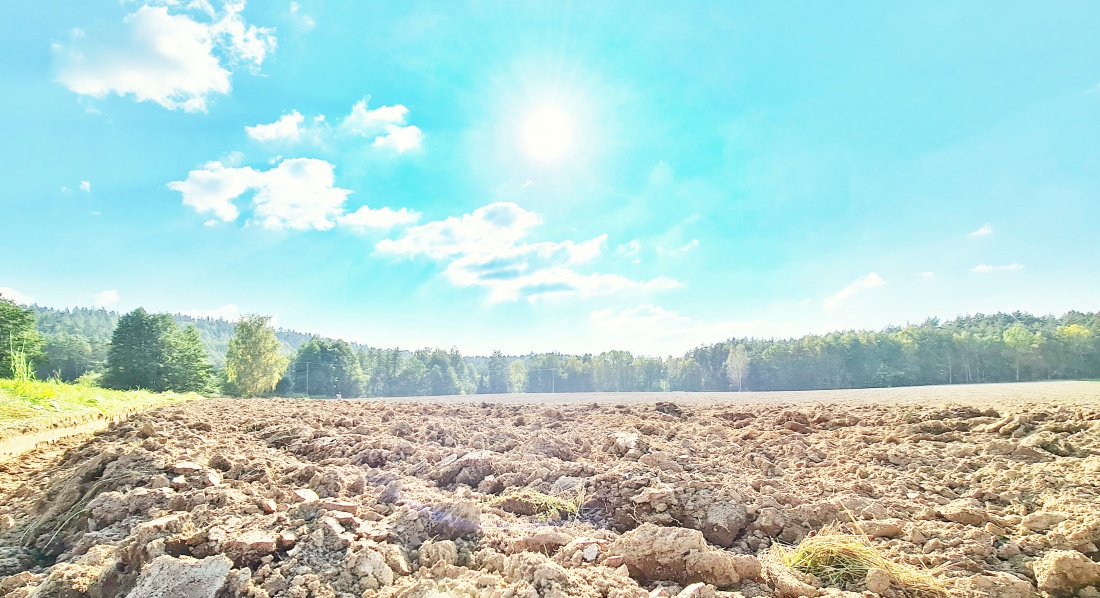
(27, 406)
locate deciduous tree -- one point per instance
(1020, 341)
(498, 373)
(254, 364)
(737, 365)
(325, 368)
(517, 377)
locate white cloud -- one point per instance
(656, 329)
(105, 298)
(229, 313)
(927, 275)
(386, 124)
(488, 230)
(233, 158)
(382, 218)
(630, 250)
(213, 189)
(245, 44)
(532, 269)
(984, 231)
(859, 285)
(560, 281)
(983, 268)
(85, 186)
(298, 193)
(16, 296)
(64, 189)
(365, 122)
(400, 139)
(284, 129)
(175, 60)
(302, 20)
(485, 249)
(679, 250)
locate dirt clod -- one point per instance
(170, 577)
(967, 511)
(682, 555)
(1062, 572)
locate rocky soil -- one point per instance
(297, 499)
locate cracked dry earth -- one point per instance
(297, 499)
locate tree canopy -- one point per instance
(325, 368)
(17, 336)
(254, 364)
(152, 352)
(1000, 347)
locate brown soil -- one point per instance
(994, 487)
(16, 445)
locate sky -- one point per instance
(552, 176)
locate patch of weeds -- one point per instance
(842, 560)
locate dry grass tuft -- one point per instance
(532, 502)
(842, 560)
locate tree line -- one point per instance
(250, 358)
(76, 339)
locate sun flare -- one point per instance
(547, 134)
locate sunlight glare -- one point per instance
(547, 134)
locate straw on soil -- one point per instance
(541, 504)
(842, 560)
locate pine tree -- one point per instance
(151, 352)
(188, 365)
(138, 355)
(253, 365)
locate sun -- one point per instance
(547, 134)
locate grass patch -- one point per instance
(842, 560)
(27, 406)
(532, 502)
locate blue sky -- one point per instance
(552, 176)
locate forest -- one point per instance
(91, 345)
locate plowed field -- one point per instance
(987, 490)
